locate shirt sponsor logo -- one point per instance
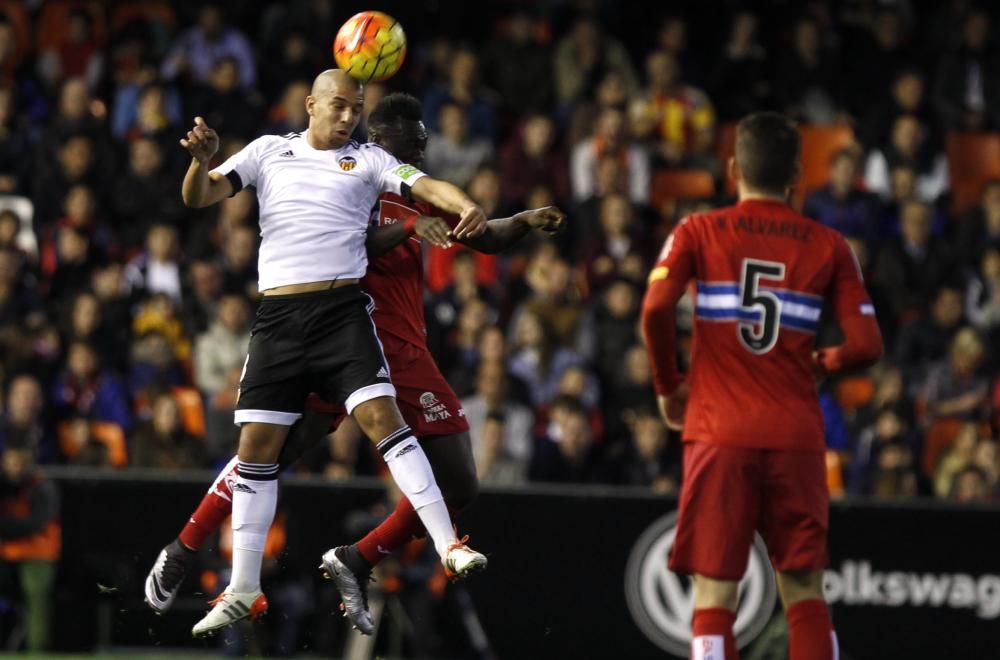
(662, 603)
(347, 163)
(434, 410)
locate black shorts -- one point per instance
(323, 342)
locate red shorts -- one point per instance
(426, 400)
(730, 492)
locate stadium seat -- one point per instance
(939, 438)
(853, 393)
(973, 159)
(680, 184)
(834, 474)
(107, 433)
(192, 409)
(819, 143)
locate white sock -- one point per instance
(255, 498)
(413, 474)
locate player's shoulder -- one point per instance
(270, 142)
(375, 152)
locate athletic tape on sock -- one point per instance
(708, 647)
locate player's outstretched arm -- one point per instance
(450, 198)
(201, 188)
(383, 239)
(501, 233)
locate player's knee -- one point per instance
(461, 493)
(261, 443)
(378, 417)
(796, 586)
(712, 593)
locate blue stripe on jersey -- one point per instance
(789, 321)
(718, 288)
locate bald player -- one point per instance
(313, 330)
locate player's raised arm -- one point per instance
(501, 233)
(667, 282)
(200, 187)
(862, 338)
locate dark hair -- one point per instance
(767, 151)
(394, 108)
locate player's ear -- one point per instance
(733, 170)
(310, 104)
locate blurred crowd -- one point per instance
(124, 317)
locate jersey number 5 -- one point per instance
(760, 334)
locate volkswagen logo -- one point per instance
(661, 601)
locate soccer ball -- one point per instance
(370, 46)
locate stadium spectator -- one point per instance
(75, 259)
(74, 163)
(982, 306)
(22, 422)
(912, 266)
(885, 41)
(842, 204)
(85, 389)
(908, 97)
(617, 251)
(196, 51)
(144, 195)
(453, 154)
(157, 269)
(609, 139)
(554, 298)
(531, 158)
(517, 63)
(647, 461)
(890, 426)
(537, 359)
(108, 286)
(971, 485)
(289, 115)
(568, 453)
(15, 145)
(740, 84)
(908, 146)
(462, 88)
(85, 325)
(239, 262)
(927, 338)
(162, 442)
(980, 228)
(955, 388)
(234, 110)
(222, 348)
(201, 296)
(501, 428)
(291, 65)
(684, 116)
(583, 58)
(810, 88)
(18, 299)
(162, 107)
(31, 540)
(895, 476)
(78, 52)
(607, 331)
(968, 79)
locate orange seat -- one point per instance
(819, 144)
(107, 433)
(834, 474)
(853, 393)
(939, 438)
(973, 159)
(192, 409)
(680, 184)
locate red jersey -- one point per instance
(763, 274)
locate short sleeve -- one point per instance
(392, 176)
(848, 293)
(243, 167)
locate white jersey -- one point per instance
(314, 204)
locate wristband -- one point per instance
(410, 225)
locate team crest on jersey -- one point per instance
(347, 163)
(434, 410)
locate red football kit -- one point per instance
(753, 430)
(395, 281)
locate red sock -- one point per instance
(713, 635)
(402, 526)
(810, 632)
(213, 509)
(393, 533)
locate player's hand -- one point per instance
(826, 361)
(673, 407)
(472, 223)
(435, 230)
(202, 142)
(548, 219)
